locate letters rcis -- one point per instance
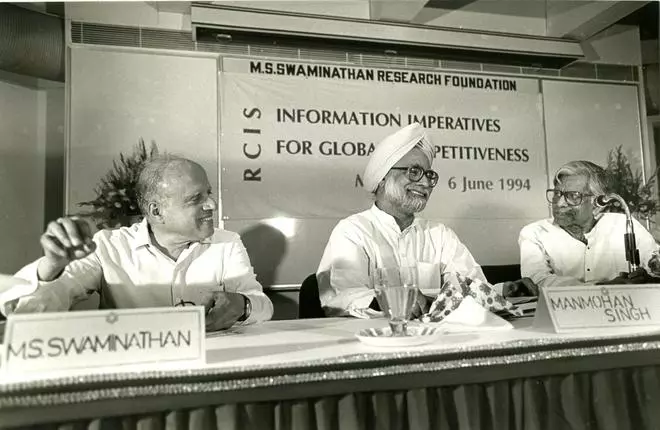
(250, 150)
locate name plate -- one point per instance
(94, 340)
(595, 307)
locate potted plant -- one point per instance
(116, 204)
(641, 196)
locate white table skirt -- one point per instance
(303, 374)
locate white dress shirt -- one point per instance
(128, 271)
(370, 239)
(551, 257)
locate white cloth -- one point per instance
(391, 149)
(552, 257)
(129, 272)
(370, 239)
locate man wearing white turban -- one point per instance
(399, 176)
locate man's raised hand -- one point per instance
(65, 240)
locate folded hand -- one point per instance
(639, 276)
(521, 287)
(224, 310)
(421, 306)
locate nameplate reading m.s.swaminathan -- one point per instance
(598, 306)
(89, 340)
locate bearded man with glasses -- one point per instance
(400, 177)
(580, 244)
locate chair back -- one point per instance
(309, 303)
(502, 273)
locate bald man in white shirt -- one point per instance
(174, 257)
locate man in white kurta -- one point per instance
(580, 245)
(389, 234)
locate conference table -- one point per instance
(316, 374)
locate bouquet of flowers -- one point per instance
(116, 204)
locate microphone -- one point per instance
(632, 253)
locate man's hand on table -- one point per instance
(64, 241)
(639, 276)
(421, 306)
(521, 287)
(224, 310)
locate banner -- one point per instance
(296, 138)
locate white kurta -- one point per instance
(370, 239)
(550, 256)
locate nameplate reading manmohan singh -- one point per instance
(592, 307)
(104, 339)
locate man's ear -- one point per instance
(154, 211)
(597, 209)
(380, 187)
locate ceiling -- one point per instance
(647, 20)
(529, 16)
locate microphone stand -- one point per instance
(632, 253)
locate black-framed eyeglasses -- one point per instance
(184, 303)
(573, 198)
(415, 173)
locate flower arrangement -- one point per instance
(116, 204)
(642, 197)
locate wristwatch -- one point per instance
(247, 310)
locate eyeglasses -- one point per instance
(182, 303)
(415, 173)
(573, 198)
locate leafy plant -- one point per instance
(642, 197)
(116, 198)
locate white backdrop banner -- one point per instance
(296, 138)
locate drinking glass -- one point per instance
(396, 292)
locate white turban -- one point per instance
(391, 149)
